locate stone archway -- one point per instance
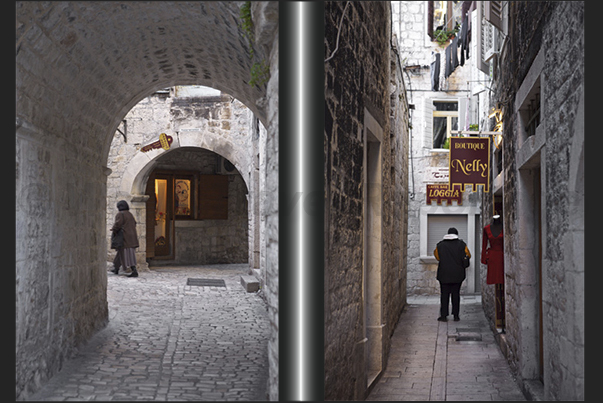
(80, 67)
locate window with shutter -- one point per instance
(493, 12)
(213, 197)
(437, 227)
(485, 39)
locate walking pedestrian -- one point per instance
(453, 256)
(126, 257)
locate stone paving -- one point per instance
(169, 341)
(431, 360)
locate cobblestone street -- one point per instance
(431, 360)
(167, 340)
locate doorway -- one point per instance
(531, 320)
(372, 287)
(538, 253)
(159, 216)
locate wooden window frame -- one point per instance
(218, 199)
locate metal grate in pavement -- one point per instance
(468, 334)
(206, 282)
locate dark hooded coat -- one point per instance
(124, 219)
(450, 252)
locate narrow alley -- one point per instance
(432, 360)
(167, 340)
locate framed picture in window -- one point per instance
(183, 207)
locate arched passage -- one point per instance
(201, 118)
(80, 67)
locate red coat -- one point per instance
(493, 256)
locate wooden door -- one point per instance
(213, 197)
(150, 216)
(164, 191)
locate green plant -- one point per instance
(260, 71)
(447, 144)
(474, 127)
(246, 22)
(442, 35)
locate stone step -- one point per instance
(250, 283)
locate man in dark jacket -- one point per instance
(450, 253)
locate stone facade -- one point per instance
(366, 137)
(76, 79)
(201, 121)
(417, 51)
(542, 190)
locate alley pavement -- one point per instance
(431, 360)
(167, 340)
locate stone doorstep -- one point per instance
(250, 283)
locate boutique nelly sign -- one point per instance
(470, 162)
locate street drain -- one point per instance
(206, 282)
(468, 335)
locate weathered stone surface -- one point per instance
(364, 100)
(556, 172)
(250, 283)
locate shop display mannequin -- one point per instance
(493, 257)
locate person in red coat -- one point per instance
(493, 256)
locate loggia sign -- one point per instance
(469, 162)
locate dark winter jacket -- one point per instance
(450, 252)
(124, 219)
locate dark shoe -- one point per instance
(442, 319)
(456, 318)
(115, 270)
(134, 272)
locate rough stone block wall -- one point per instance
(537, 27)
(266, 32)
(395, 281)
(359, 78)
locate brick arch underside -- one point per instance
(80, 67)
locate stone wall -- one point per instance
(365, 119)
(549, 164)
(266, 17)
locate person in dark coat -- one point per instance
(450, 253)
(126, 256)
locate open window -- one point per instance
(491, 25)
(443, 15)
(445, 119)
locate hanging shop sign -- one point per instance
(164, 142)
(441, 192)
(436, 174)
(470, 162)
